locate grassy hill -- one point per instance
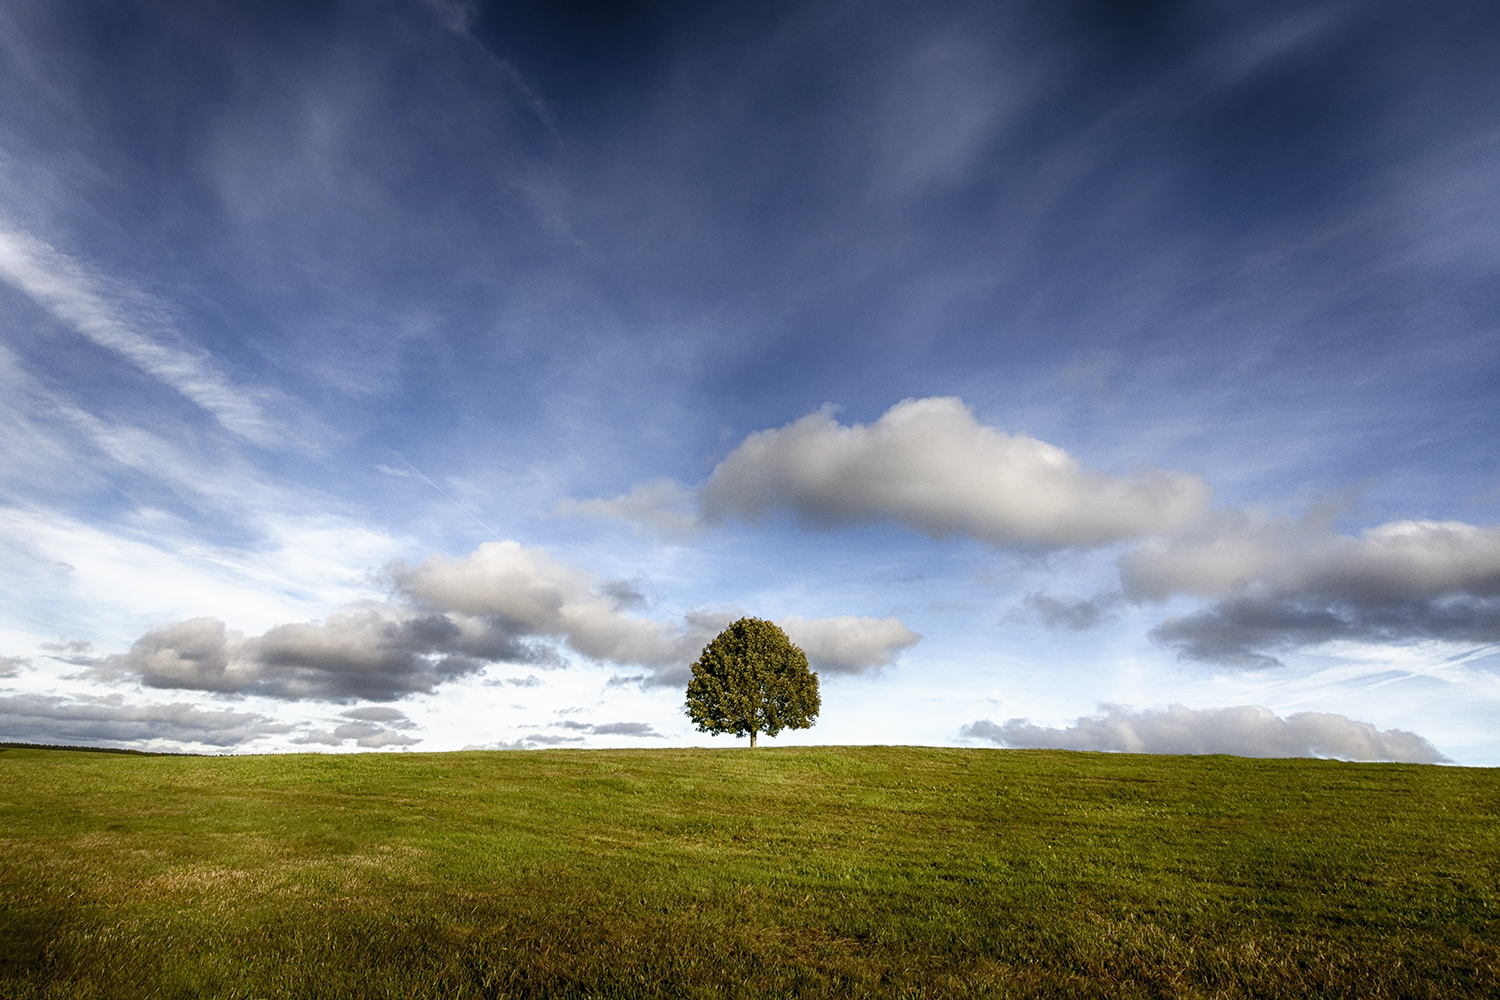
(783, 872)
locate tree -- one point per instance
(750, 680)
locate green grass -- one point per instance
(885, 872)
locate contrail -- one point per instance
(454, 502)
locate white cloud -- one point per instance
(372, 736)
(1401, 559)
(527, 592)
(848, 644)
(1244, 731)
(929, 465)
(108, 582)
(371, 727)
(662, 507)
(502, 603)
(376, 652)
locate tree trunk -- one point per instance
(752, 739)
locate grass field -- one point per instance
(783, 872)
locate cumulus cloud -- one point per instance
(502, 603)
(1244, 731)
(525, 592)
(848, 644)
(926, 464)
(94, 721)
(1279, 586)
(379, 653)
(11, 665)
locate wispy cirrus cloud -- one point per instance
(137, 329)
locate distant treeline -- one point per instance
(52, 746)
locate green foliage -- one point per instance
(750, 680)
(812, 873)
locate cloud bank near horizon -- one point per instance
(452, 617)
(109, 720)
(1243, 731)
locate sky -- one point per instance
(434, 374)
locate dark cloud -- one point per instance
(611, 728)
(111, 720)
(625, 729)
(1283, 586)
(1247, 631)
(548, 739)
(378, 654)
(1243, 731)
(12, 665)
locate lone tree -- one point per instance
(750, 680)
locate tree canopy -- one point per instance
(751, 679)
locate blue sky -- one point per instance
(432, 374)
